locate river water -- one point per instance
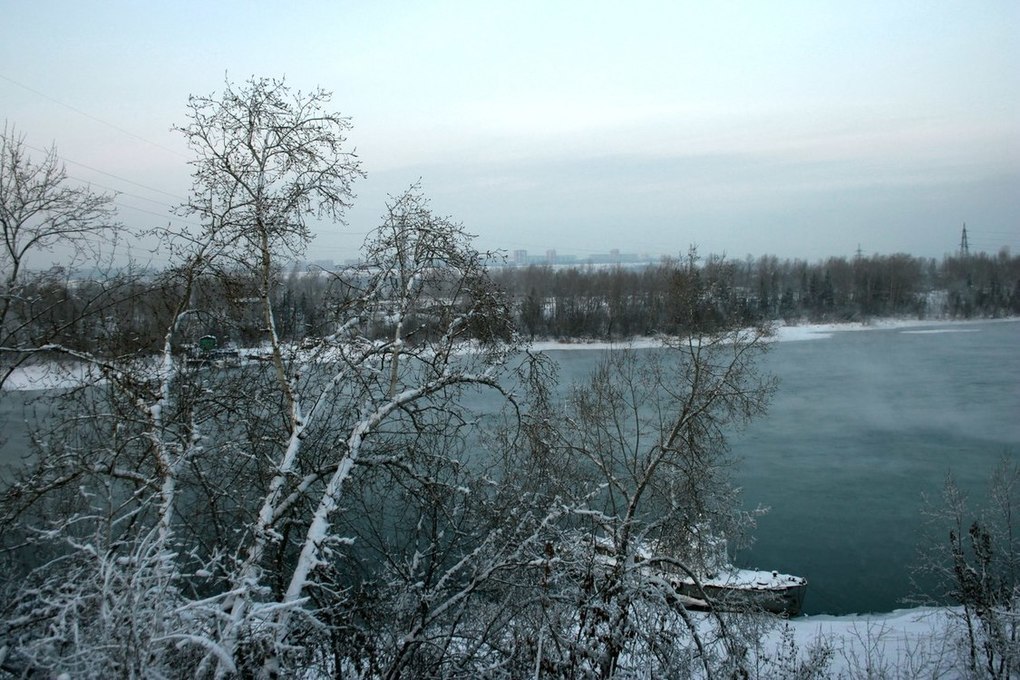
(862, 425)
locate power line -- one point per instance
(169, 209)
(91, 117)
(109, 174)
(149, 212)
(119, 192)
(993, 245)
(103, 172)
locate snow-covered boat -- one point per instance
(716, 583)
(733, 588)
(724, 586)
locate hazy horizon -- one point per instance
(805, 130)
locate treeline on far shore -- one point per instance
(109, 314)
(620, 302)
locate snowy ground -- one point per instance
(907, 643)
(822, 331)
(49, 376)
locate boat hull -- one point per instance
(785, 600)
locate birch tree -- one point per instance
(389, 377)
(229, 486)
(267, 160)
(347, 505)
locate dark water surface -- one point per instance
(863, 424)
(17, 409)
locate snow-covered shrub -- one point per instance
(978, 568)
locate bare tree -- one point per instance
(198, 481)
(42, 212)
(268, 159)
(640, 452)
(343, 506)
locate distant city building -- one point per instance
(521, 258)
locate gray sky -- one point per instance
(800, 129)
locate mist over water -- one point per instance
(863, 424)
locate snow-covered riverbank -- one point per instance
(798, 332)
(908, 643)
(46, 376)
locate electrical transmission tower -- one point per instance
(964, 247)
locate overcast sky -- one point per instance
(800, 129)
